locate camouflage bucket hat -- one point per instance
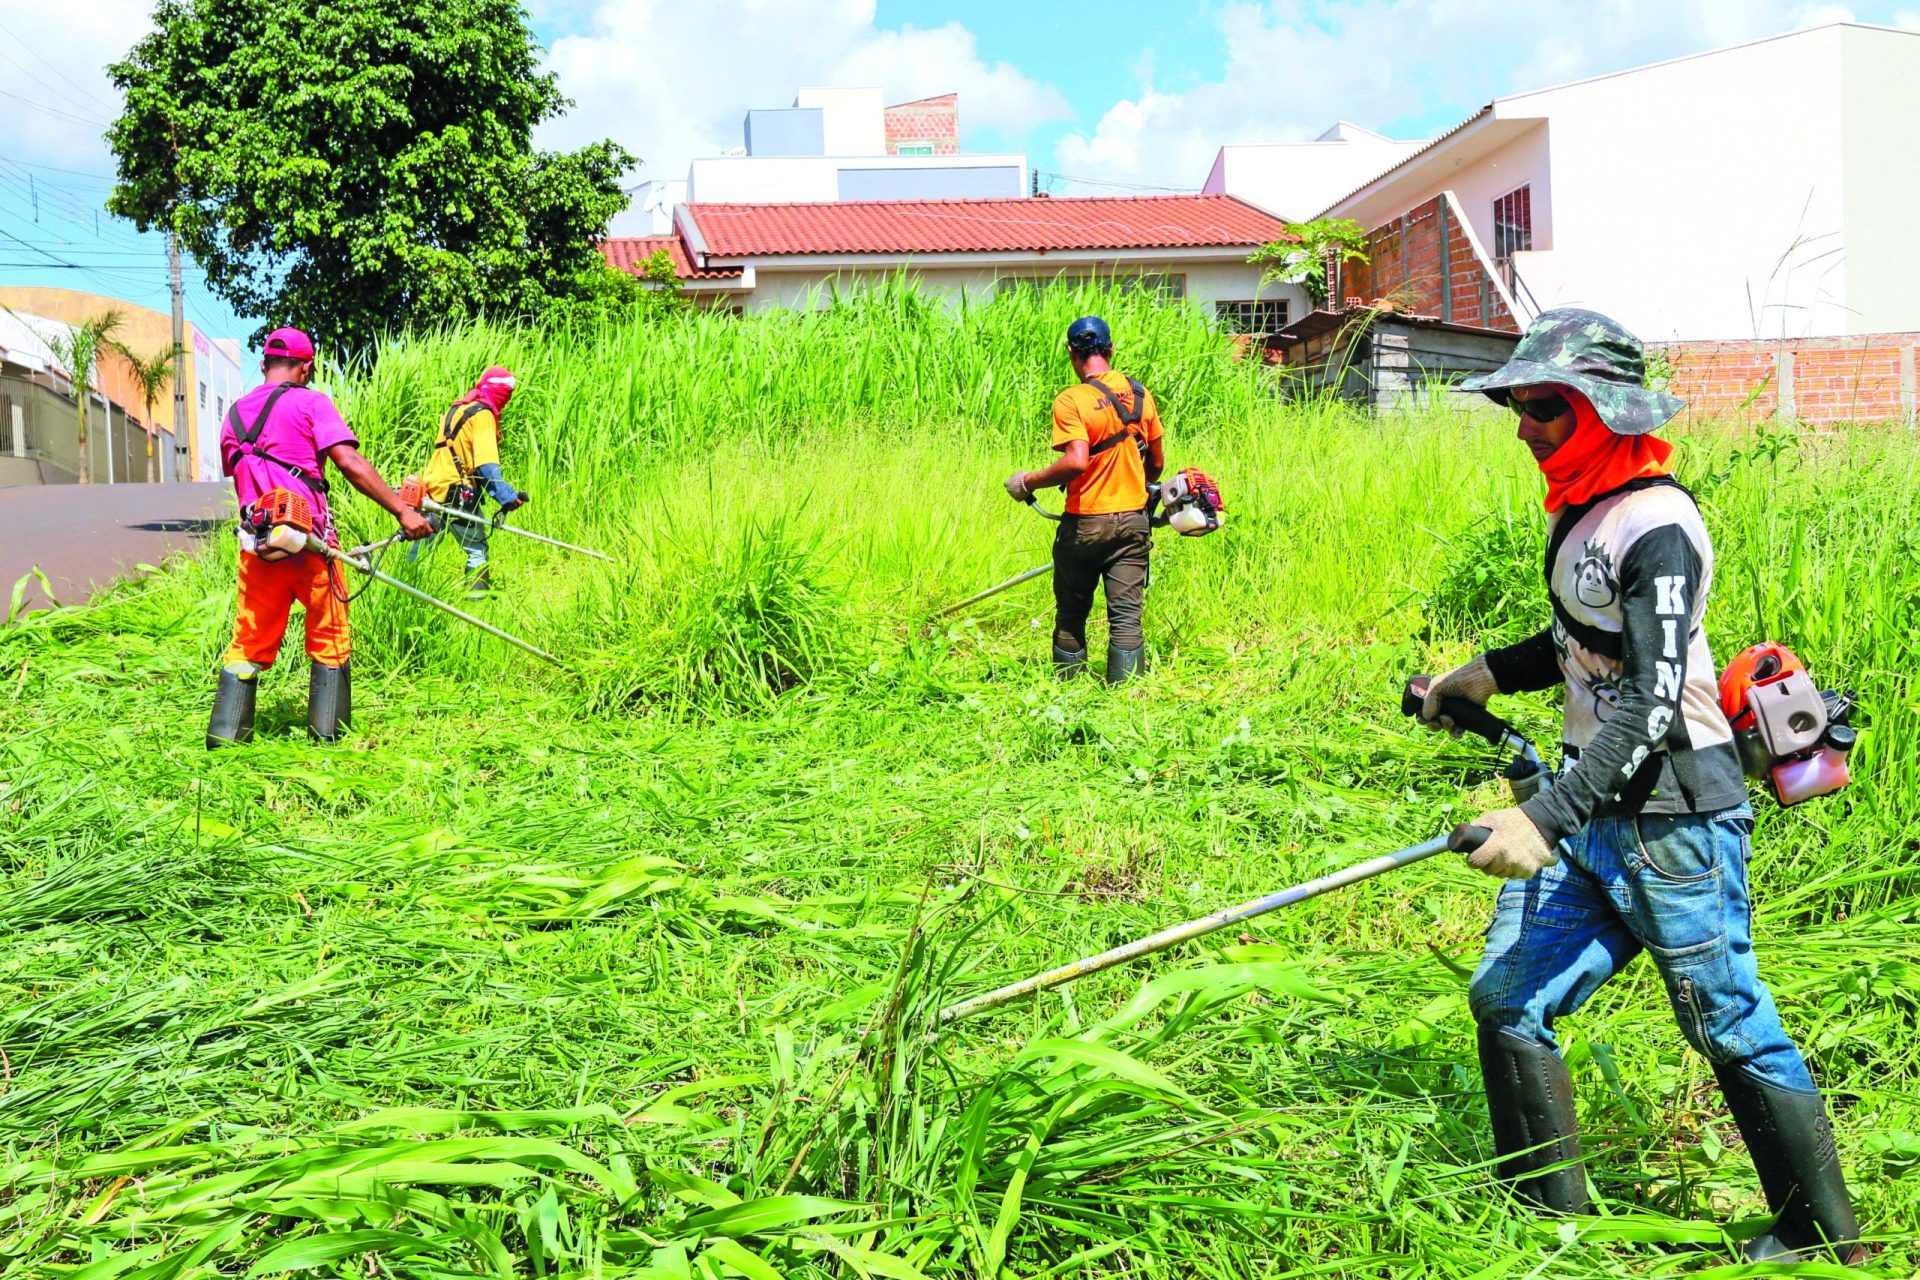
(1595, 356)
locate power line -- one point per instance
(78, 173)
(1122, 186)
(53, 111)
(48, 64)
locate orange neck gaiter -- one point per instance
(1595, 459)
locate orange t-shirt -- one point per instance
(1115, 480)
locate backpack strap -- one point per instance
(1129, 415)
(247, 438)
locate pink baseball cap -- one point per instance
(290, 344)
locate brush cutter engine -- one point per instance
(277, 525)
(1190, 503)
(1791, 734)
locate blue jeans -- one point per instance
(471, 537)
(1674, 886)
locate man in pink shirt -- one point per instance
(280, 436)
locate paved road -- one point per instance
(85, 536)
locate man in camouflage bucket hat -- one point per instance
(1642, 841)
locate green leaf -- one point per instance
(764, 1216)
(311, 1252)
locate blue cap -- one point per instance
(1089, 334)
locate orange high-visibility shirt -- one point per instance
(1115, 480)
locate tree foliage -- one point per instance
(151, 376)
(356, 166)
(1303, 258)
(79, 347)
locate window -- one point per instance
(1513, 223)
(203, 395)
(914, 151)
(220, 407)
(1246, 318)
(1166, 286)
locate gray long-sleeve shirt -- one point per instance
(1633, 575)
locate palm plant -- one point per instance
(151, 375)
(78, 348)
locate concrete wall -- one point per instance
(853, 121)
(816, 179)
(797, 131)
(1880, 163)
(1207, 282)
(960, 182)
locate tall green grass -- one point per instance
(629, 968)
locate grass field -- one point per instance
(627, 968)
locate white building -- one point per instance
(755, 257)
(1761, 191)
(1294, 180)
(833, 144)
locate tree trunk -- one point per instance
(153, 458)
(86, 471)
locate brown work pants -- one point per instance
(1107, 551)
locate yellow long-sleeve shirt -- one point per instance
(476, 445)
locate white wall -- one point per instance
(1207, 282)
(1700, 198)
(1296, 180)
(1880, 162)
(812, 179)
(853, 122)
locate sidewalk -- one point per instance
(85, 536)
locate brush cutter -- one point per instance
(428, 504)
(1526, 774)
(1194, 508)
(361, 563)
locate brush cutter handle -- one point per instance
(1466, 837)
(1040, 510)
(1471, 716)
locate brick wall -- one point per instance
(933, 122)
(1869, 378)
(1412, 266)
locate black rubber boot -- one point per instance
(1791, 1142)
(1124, 664)
(479, 584)
(329, 701)
(1530, 1100)
(1068, 663)
(233, 699)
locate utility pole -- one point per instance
(179, 353)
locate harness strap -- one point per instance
(450, 429)
(1129, 416)
(247, 437)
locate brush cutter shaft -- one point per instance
(1014, 581)
(428, 504)
(1198, 928)
(334, 553)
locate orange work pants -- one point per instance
(267, 592)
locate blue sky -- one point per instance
(1126, 95)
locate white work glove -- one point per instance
(1474, 682)
(1017, 487)
(1516, 850)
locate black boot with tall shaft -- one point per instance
(1530, 1101)
(329, 701)
(1791, 1142)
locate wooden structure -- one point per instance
(1384, 359)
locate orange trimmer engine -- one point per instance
(1791, 734)
(277, 524)
(413, 492)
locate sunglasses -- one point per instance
(1542, 410)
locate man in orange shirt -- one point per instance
(1107, 432)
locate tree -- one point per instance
(1303, 257)
(151, 375)
(358, 166)
(78, 348)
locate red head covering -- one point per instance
(493, 390)
(1594, 459)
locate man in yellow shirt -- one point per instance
(1107, 432)
(465, 468)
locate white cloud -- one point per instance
(1909, 19)
(1293, 68)
(671, 81)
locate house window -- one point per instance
(914, 151)
(203, 395)
(1167, 286)
(220, 410)
(1513, 223)
(1243, 318)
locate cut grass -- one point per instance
(629, 969)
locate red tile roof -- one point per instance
(982, 226)
(630, 253)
